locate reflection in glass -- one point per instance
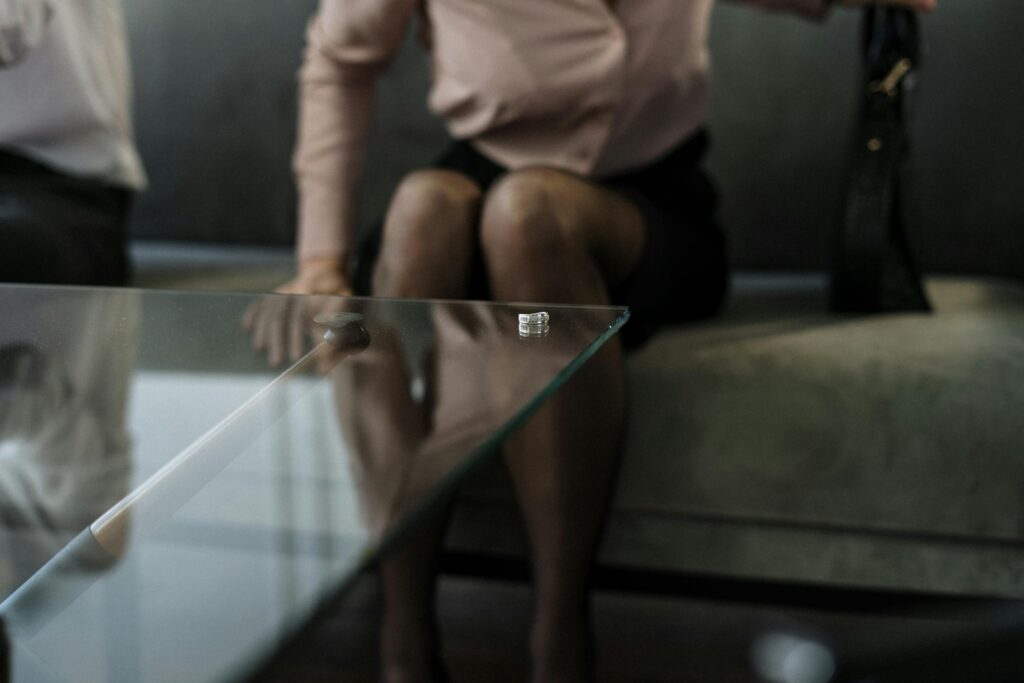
(259, 493)
(64, 449)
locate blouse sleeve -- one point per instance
(349, 43)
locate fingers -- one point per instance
(275, 331)
(283, 326)
(252, 321)
(277, 328)
(279, 325)
(296, 334)
(249, 317)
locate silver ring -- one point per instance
(539, 318)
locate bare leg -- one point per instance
(429, 238)
(552, 237)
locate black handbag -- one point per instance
(872, 267)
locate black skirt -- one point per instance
(682, 274)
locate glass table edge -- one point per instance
(475, 460)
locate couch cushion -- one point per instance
(759, 439)
(905, 422)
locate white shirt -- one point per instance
(65, 88)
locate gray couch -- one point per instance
(778, 442)
(783, 443)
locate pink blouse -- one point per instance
(595, 87)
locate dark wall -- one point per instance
(215, 95)
(784, 101)
(215, 102)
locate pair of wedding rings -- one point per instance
(534, 324)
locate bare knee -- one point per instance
(534, 242)
(434, 200)
(428, 234)
(525, 220)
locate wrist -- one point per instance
(321, 264)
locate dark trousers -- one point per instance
(60, 229)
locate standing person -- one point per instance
(576, 177)
(67, 362)
(68, 163)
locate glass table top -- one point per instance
(175, 502)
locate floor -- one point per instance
(640, 638)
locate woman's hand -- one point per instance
(282, 326)
(319, 276)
